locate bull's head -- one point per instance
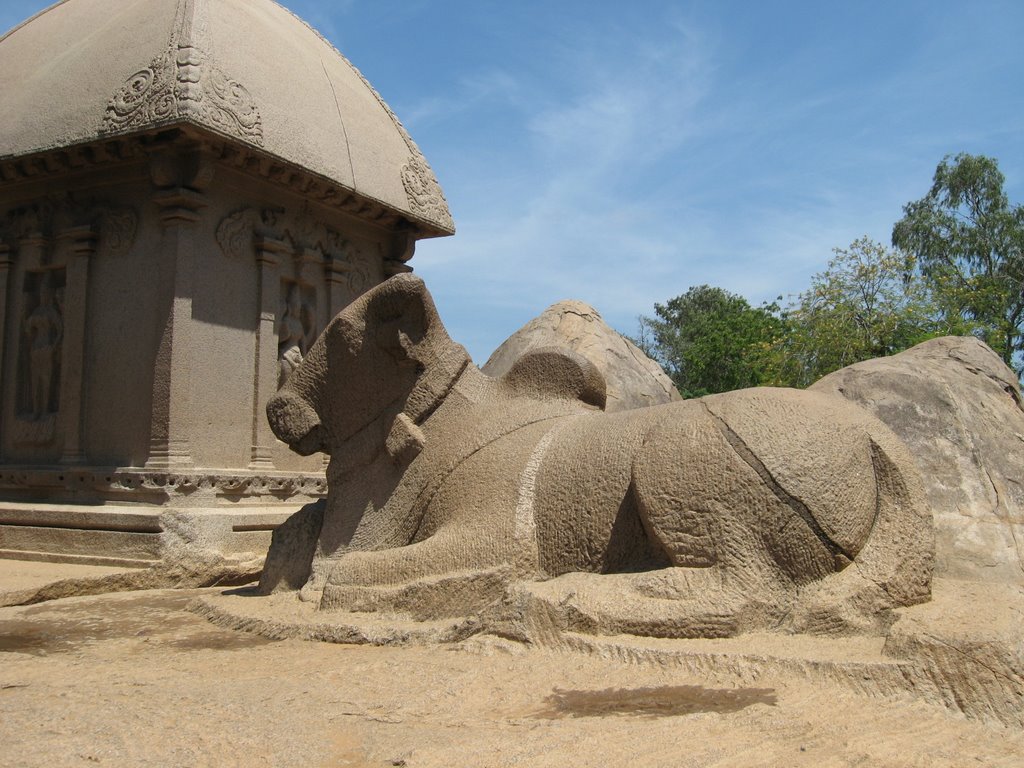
(364, 368)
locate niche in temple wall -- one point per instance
(309, 242)
(297, 327)
(39, 354)
(47, 247)
(312, 270)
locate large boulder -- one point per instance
(958, 408)
(633, 380)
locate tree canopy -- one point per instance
(957, 267)
(869, 302)
(709, 340)
(969, 244)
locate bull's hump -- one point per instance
(551, 373)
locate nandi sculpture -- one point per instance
(452, 491)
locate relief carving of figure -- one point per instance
(295, 333)
(45, 330)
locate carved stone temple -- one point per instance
(189, 191)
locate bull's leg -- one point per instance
(447, 551)
(468, 524)
(447, 574)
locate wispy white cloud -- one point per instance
(623, 178)
(622, 157)
(494, 86)
(583, 224)
(620, 154)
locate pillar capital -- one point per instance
(180, 205)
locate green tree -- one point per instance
(969, 245)
(869, 302)
(709, 340)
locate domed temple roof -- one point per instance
(246, 70)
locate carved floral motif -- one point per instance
(237, 232)
(117, 229)
(115, 225)
(184, 82)
(127, 481)
(425, 196)
(354, 270)
(146, 97)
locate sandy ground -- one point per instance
(135, 679)
(24, 575)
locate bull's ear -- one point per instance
(402, 317)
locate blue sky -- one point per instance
(621, 153)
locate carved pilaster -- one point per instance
(34, 249)
(392, 268)
(6, 260)
(43, 320)
(347, 275)
(403, 249)
(269, 254)
(337, 274)
(180, 205)
(309, 271)
(172, 412)
(76, 290)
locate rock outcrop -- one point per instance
(633, 380)
(957, 406)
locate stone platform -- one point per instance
(138, 518)
(27, 580)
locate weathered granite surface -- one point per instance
(773, 507)
(248, 70)
(632, 379)
(189, 191)
(958, 408)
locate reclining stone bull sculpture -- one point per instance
(762, 507)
